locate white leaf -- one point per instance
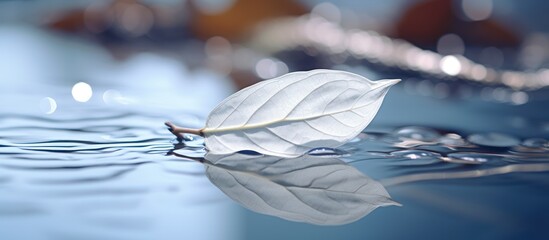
(317, 190)
(292, 114)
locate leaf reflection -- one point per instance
(311, 189)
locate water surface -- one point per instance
(103, 169)
(91, 171)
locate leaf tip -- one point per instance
(390, 202)
(386, 83)
(393, 81)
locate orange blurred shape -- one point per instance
(241, 17)
(71, 21)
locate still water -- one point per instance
(101, 164)
(98, 171)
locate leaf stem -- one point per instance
(178, 131)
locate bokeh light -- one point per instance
(48, 105)
(328, 11)
(450, 44)
(477, 10)
(135, 19)
(519, 98)
(269, 68)
(450, 65)
(468, 67)
(82, 92)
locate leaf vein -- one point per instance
(240, 103)
(251, 126)
(318, 130)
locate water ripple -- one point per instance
(111, 163)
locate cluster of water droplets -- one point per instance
(415, 145)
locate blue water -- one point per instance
(98, 172)
(103, 169)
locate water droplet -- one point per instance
(417, 133)
(197, 142)
(437, 148)
(390, 139)
(493, 140)
(473, 158)
(188, 137)
(415, 154)
(452, 139)
(327, 152)
(535, 143)
(533, 147)
(368, 136)
(419, 157)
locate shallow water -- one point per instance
(96, 171)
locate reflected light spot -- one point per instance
(441, 90)
(411, 58)
(281, 68)
(512, 79)
(544, 76)
(48, 105)
(82, 92)
(477, 10)
(217, 46)
(219, 55)
(450, 44)
(328, 34)
(246, 59)
(327, 10)
(111, 96)
(426, 61)
(500, 94)
(478, 72)
(450, 65)
(136, 19)
(519, 98)
(268, 68)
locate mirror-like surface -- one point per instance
(317, 190)
(99, 169)
(106, 175)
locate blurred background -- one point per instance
(85, 87)
(451, 50)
